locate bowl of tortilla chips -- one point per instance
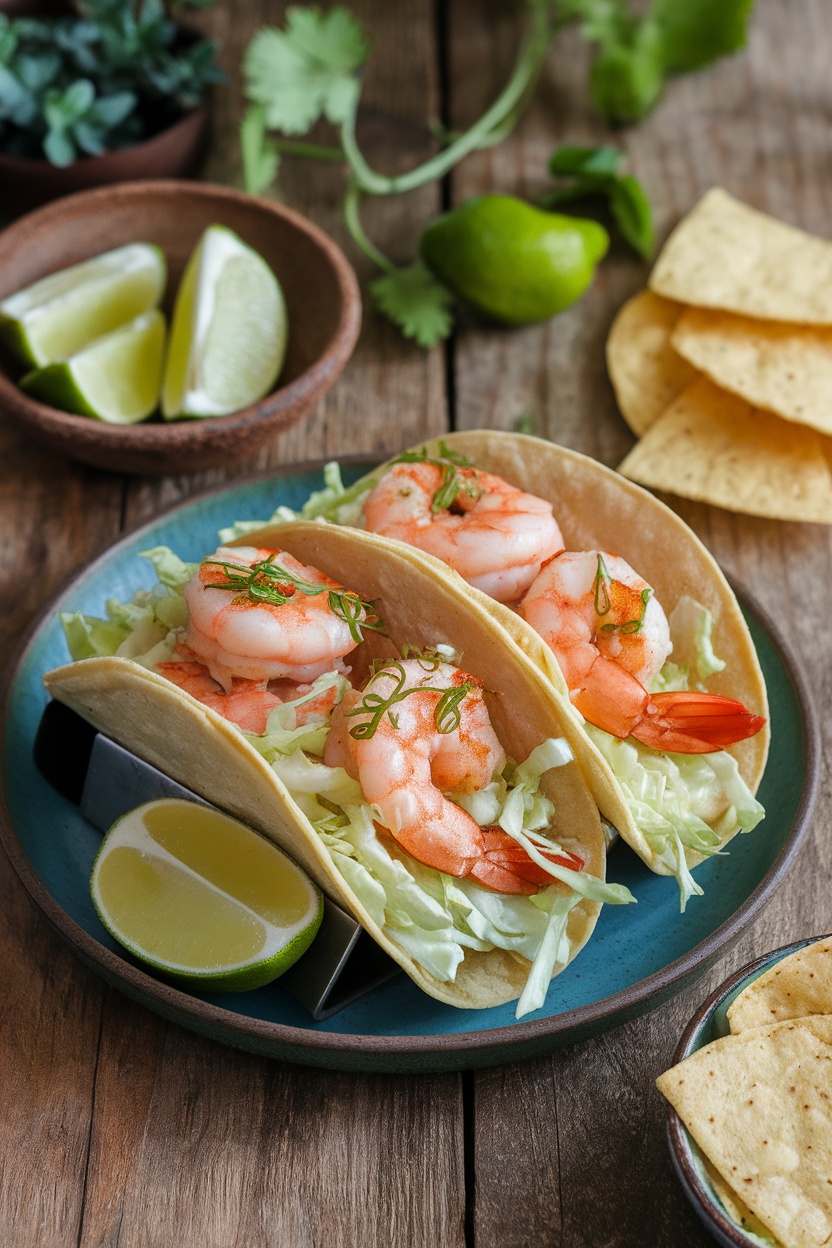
(750, 1114)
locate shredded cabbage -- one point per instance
(682, 803)
(145, 629)
(336, 502)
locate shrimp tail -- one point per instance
(694, 723)
(506, 867)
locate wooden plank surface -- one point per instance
(584, 1159)
(117, 1128)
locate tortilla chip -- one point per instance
(726, 255)
(759, 1107)
(798, 985)
(734, 1205)
(645, 371)
(715, 448)
(786, 369)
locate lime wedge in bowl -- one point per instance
(203, 899)
(229, 330)
(118, 379)
(61, 314)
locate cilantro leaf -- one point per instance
(308, 70)
(526, 422)
(631, 209)
(699, 31)
(417, 302)
(627, 75)
(591, 171)
(576, 161)
(260, 156)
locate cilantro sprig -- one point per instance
(267, 582)
(593, 172)
(312, 70)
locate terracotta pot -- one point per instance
(26, 182)
(322, 299)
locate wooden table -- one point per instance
(118, 1128)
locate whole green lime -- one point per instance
(516, 263)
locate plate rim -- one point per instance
(218, 1020)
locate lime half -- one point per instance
(228, 336)
(202, 898)
(117, 379)
(61, 314)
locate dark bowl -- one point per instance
(709, 1023)
(173, 152)
(322, 298)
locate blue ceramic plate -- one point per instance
(711, 1023)
(637, 957)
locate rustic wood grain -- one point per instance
(150, 1136)
(117, 1128)
(588, 1161)
(390, 395)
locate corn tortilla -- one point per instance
(796, 986)
(645, 369)
(728, 256)
(759, 1106)
(715, 448)
(596, 510)
(786, 369)
(191, 743)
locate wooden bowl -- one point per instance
(322, 297)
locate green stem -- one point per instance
(528, 66)
(352, 200)
(290, 148)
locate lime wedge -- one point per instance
(59, 315)
(201, 898)
(117, 379)
(228, 336)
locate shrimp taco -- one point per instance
(617, 601)
(328, 688)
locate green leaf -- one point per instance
(307, 71)
(591, 171)
(417, 302)
(631, 209)
(627, 77)
(526, 422)
(59, 148)
(577, 161)
(260, 157)
(697, 32)
(109, 110)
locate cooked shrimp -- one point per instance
(494, 535)
(248, 703)
(268, 624)
(611, 638)
(414, 734)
